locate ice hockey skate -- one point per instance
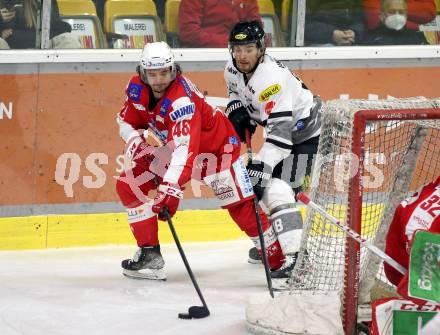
(281, 276)
(147, 263)
(254, 256)
(286, 269)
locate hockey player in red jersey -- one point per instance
(199, 142)
(419, 212)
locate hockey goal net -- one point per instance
(371, 155)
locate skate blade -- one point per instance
(254, 261)
(150, 274)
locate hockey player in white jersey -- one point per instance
(263, 91)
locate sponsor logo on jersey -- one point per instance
(162, 134)
(134, 91)
(139, 107)
(233, 140)
(135, 211)
(424, 214)
(231, 70)
(221, 189)
(250, 88)
(300, 125)
(185, 112)
(166, 103)
(240, 36)
(268, 92)
(137, 214)
(185, 87)
(243, 179)
(269, 106)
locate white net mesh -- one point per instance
(396, 153)
(398, 158)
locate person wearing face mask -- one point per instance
(392, 29)
(418, 12)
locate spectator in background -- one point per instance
(22, 29)
(418, 11)
(3, 43)
(393, 29)
(160, 7)
(7, 17)
(207, 23)
(334, 22)
(99, 5)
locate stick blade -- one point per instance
(198, 312)
(195, 312)
(184, 316)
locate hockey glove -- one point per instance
(240, 119)
(139, 151)
(260, 175)
(168, 196)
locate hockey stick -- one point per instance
(350, 232)
(196, 312)
(258, 218)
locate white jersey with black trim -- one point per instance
(278, 100)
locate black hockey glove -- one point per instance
(240, 119)
(260, 175)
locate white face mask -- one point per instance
(395, 21)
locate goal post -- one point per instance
(372, 154)
(413, 138)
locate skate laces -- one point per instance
(136, 256)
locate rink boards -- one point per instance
(60, 145)
(59, 231)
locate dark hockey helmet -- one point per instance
(247, 32)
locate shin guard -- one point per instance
(143, 224)
(275, 256)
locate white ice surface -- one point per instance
(82, 291)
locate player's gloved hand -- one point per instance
(260, 175)
(240, 119)
(139, 151)
(168, 196)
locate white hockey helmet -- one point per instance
(156, 55)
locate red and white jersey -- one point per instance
(182, 117)
(419, 212)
